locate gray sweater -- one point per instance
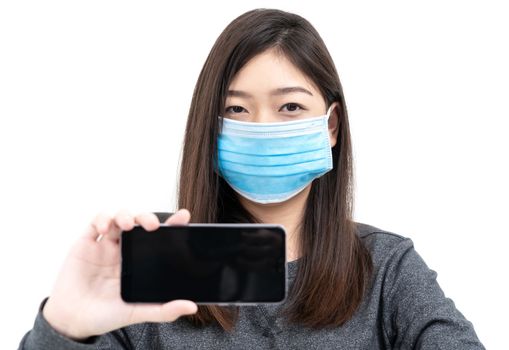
(404, 308)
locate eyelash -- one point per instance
(293, 104)
(285, 105)
(227, 110)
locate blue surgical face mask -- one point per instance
(272, 162)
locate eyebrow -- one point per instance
(275, 92)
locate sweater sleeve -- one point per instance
(417, 314)
(43, 336)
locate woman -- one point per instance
(350, 285)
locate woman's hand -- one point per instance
(86, 301)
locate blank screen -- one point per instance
(204, 263)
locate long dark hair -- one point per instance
(335, 266)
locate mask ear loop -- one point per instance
(331, 108)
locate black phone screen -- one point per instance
(205, 263)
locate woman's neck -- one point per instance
(288, 213)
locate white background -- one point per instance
(94, 97)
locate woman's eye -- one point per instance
(235, 109)
(291, 107)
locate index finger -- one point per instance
(101, 226)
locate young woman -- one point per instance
(351, 286)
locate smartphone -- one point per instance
(222, 264)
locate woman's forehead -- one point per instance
(269, 71)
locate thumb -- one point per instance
(176, 308)
(167, 312)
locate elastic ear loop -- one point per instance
(330, 110)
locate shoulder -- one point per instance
(396, 264)
(415, 311)
(382, 244)
(370, 233)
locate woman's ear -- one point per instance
(333, 124)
